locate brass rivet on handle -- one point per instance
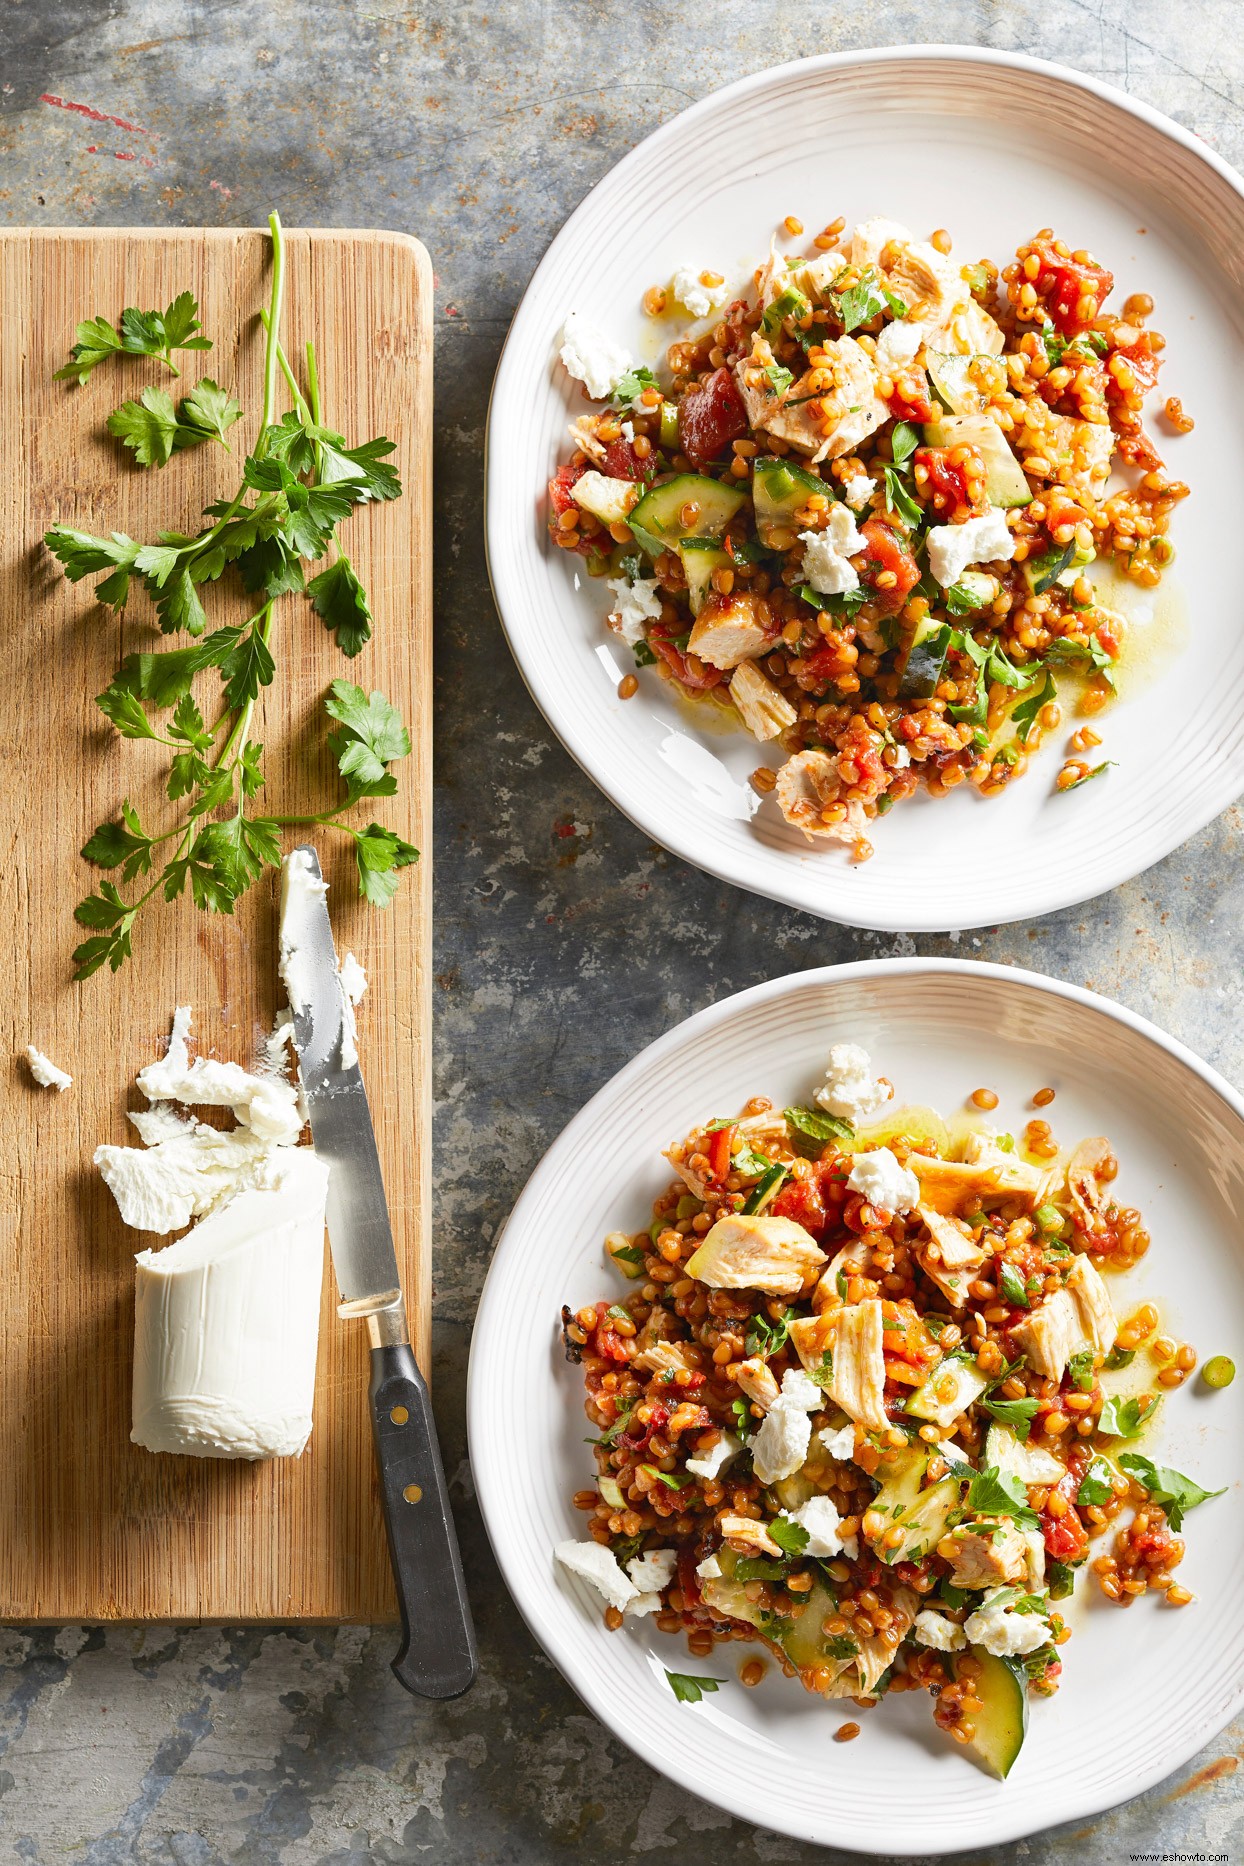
(399, 1415)
(412, 1493)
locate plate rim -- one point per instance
(526, 1597)
(649, 821)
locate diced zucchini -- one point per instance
(978, 586)
(901, 1474)
(779, 490)
(669, 427)
(948, 1390)
(952, 384)
(924, 1524)
(926, 660)
(657, 520)
(1004, 477)
(611, 1492)
(1001, 1723)
(804, 1644)
(1057, 566)
(700, 557)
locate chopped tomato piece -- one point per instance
(710, 416)
(717, 1149)
(1061, 509)
(1066, 1538)
(1073, 291)
(688, 1579)
(948, 478)
(606, 1341)
(885, 551)
(910, 400)
(559, 487)
(816, 1201)
(905, 1336)
(693, 673)
(1132, 367)
(622, 462)
(636, 1439)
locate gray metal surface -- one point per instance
(364, 1260)
(565, 940)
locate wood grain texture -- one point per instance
(91, 1527)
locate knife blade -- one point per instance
(437, 1656)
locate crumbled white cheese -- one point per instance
(592, 358)
(901, 758)
(849, 1090)
(781, 1445)
(267, 1105)
(839, 1441)
(897, 345)
(188, 1168)
(226, 1322)
(1002, 1632)
(599, 1566)
(824, 1526)
(800, 1391)
(715, 1460)
(640, 1604)
(353, 981)
(981, 540)
(825, 559)
(637, 603)
(44, 1071)
(628, 431)
(695, 296)
(654, 1571)
(935, 1630)
(859, 489)
(883, 1182)
(709, 1569)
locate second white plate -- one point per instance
(1142, 1690)
(992, 146)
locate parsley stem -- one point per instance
(273, 325)
(313, 383)
(304, 412)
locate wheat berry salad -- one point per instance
(865, 1401)
(860, 506)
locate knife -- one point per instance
(437, 1657)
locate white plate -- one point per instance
(1142, 1690)
(991, 146)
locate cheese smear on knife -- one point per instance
(227, 1318)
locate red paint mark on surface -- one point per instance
(563, 829)
(119, 155)
(226, 193)
(96, 116)
(452, 311)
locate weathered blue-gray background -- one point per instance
(479, 128)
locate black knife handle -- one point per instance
(437, 1657)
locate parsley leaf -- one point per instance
(1012, 1284)
(861, 302)
(898, 500)
(340, 600)
(904, 440)
(632, 385)
(1060, 1579)
(379, 853)
(993, 1493)
(1175, 1492)
(766, 1338)
(644, 656)
(142, 333)
(790, 1536)
(1080, 1367)
(371, 736)
(1107, 765)
(840, 1646)
(1018, 1413)
(1126, 1418)
(1095, 1485)
(1065, 652)
(779, 379)
(815, 1127)
(1119, 1357)
(689, 1687)
(154, 427)
(1025, 713)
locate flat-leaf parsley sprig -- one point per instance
(300, 480)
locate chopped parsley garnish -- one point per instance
(1018, 1413)
(667, 1478)
(1126, 1418)
(862, 302)
(644, 656)
(814, 1126)
(898, 500)
(1175, 1492)
(765, 1337)
(689, 1687)
(1080, 1367)
(1096, 1486)
(779, 379)
(632, 385)
(840, 1646)
(790, 1536)
(995, 1493)
(1013, 1286)
(1026, 712)
(1119, 1357)
(788, 304)
(1107, 765)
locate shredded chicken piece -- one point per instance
(1085, 1175)
(748, 1536)
(757, 1382)
(806, 787)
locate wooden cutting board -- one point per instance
(91, 1527)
